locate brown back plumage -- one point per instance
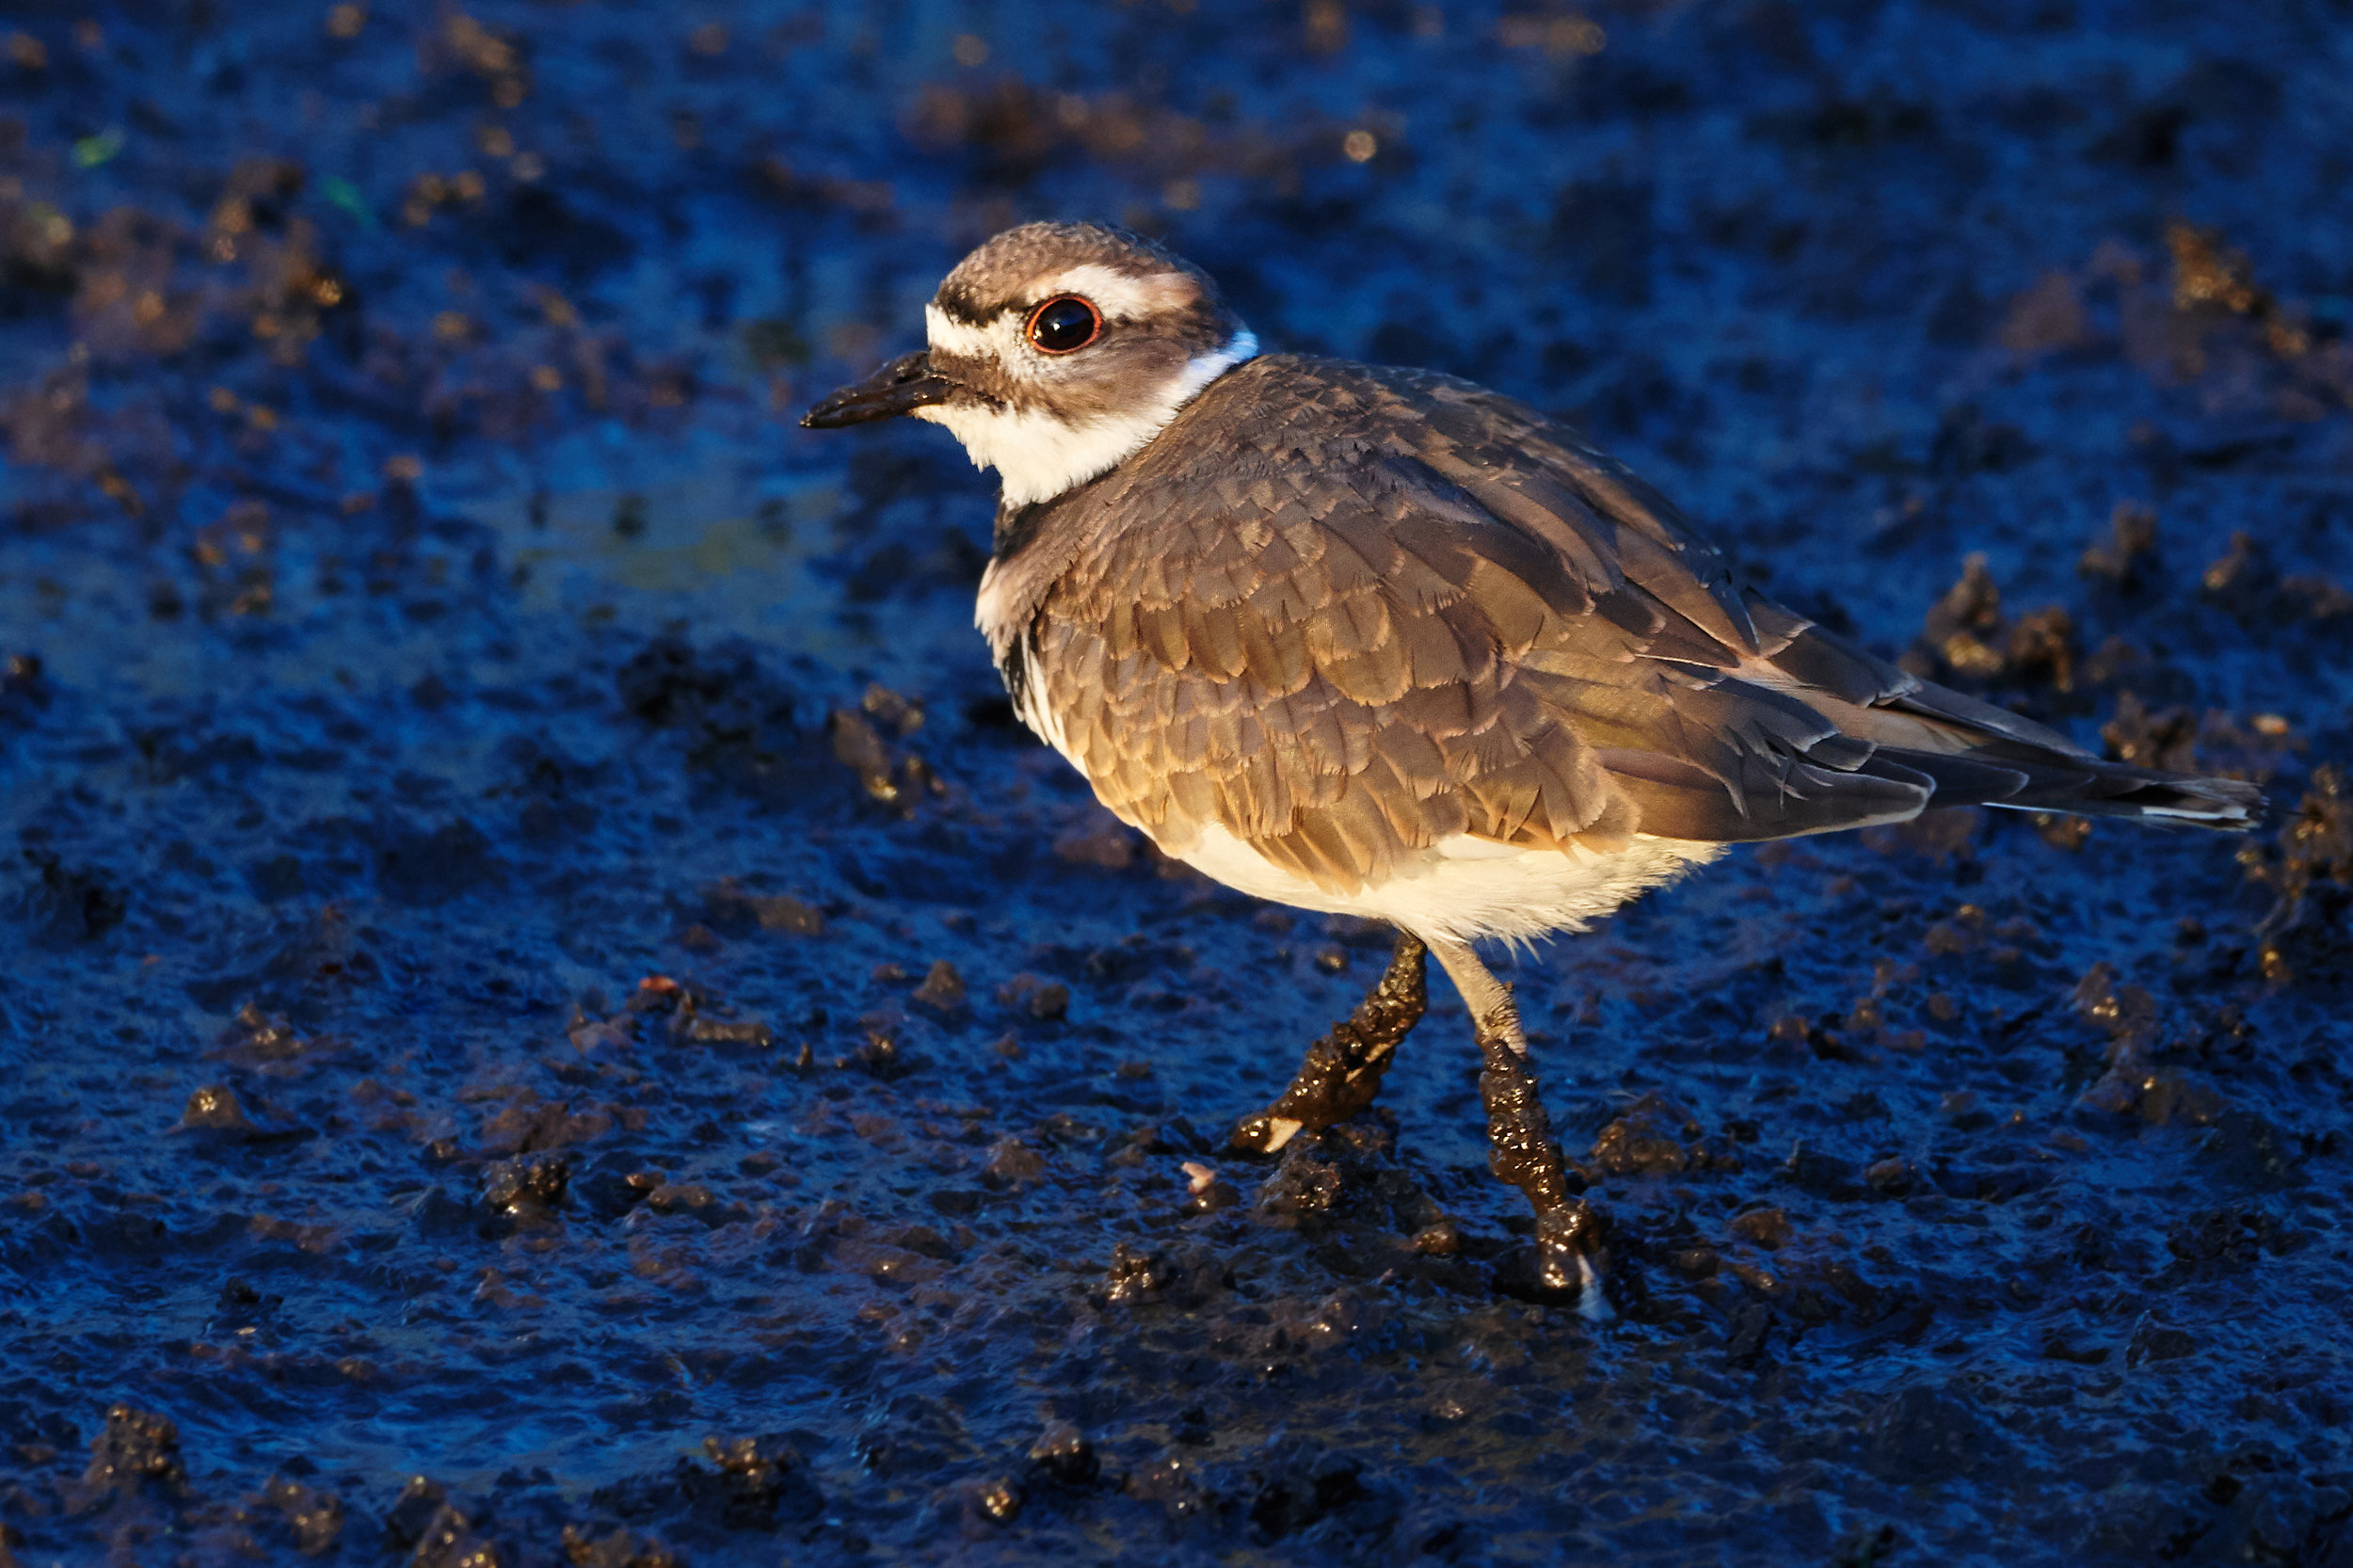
(1346, 611)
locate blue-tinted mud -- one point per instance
(550, 1016)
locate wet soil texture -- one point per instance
(551, 1015)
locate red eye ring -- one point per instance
(1056, 327)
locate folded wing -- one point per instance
(1399, 608)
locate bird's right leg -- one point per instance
(1520, 1149)
(1342, 1072)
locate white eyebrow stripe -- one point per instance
(1119, 297)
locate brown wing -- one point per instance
(1398, 607)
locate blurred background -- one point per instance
(552, 1015)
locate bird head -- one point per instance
(1057, 350)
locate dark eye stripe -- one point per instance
(1064, 324)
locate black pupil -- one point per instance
(1063, 325)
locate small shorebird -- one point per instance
(1381, 642)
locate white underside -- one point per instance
(1462, 889)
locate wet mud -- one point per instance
(551, 1016)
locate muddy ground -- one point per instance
(551, 1015)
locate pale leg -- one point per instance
(1520, 1149)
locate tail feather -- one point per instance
(1974, 754)
(2014, 767)
(2117, 791)
(2077, 787)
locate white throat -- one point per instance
(1038, 457)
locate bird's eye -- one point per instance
(1064, 323)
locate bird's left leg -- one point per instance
(1520, 1149)
(1343, 1070)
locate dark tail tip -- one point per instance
(2230, 804)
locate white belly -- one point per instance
(1462, 887)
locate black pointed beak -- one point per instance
(900, 387)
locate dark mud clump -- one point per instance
(552, 1015)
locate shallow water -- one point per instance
(551, 1013)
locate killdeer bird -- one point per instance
(1381, 642)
